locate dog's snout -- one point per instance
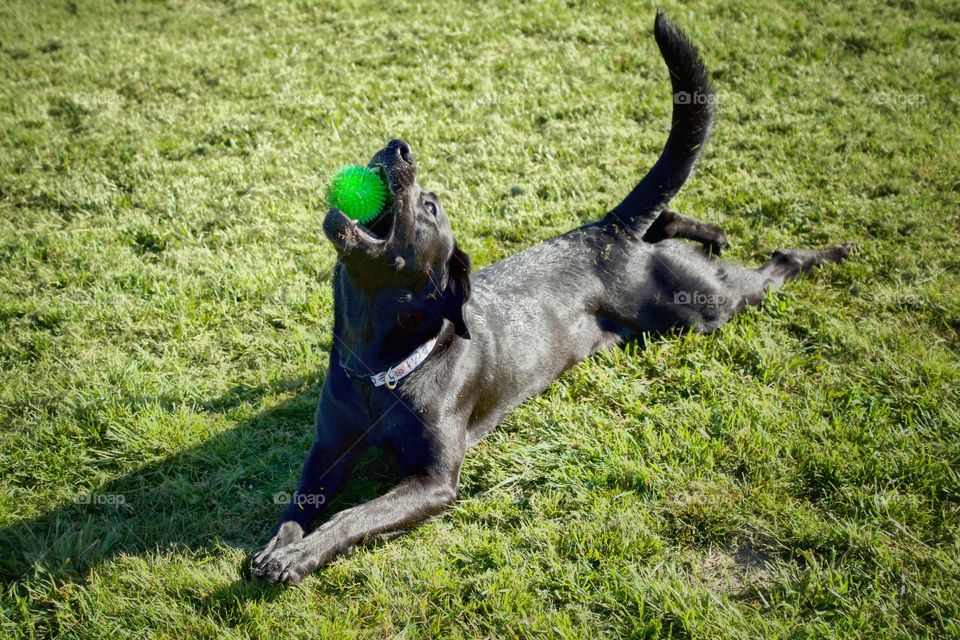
(402, 149)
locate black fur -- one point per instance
(504, 333)
(693, 112)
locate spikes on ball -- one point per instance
(358, 192)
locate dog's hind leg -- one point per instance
(680, 288)
(670, 224)
(784, 265)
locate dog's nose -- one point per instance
(402, 149)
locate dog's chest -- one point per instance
(396, 426)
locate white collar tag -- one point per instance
(391, 376)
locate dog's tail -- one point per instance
(693, 110)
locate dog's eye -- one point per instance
(429, 206)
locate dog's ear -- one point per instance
(458, 290)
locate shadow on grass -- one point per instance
(222, 492)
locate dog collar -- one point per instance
(394, 374)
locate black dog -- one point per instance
(427, 359)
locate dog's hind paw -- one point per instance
(719, 243)
(840, 252)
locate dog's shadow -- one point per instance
(227, 491)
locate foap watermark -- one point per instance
(301, 499)
(292, 96)
(899, 99)
(698, 298)
(697, 97)
(113, 499)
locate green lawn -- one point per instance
(165, 318)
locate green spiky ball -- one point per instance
(357, 191)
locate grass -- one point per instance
(165, 317)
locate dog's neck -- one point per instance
(375, 329)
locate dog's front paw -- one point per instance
(287, 565)
(288, 533)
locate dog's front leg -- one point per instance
(331, 459)
(323, 474)
(413, 500)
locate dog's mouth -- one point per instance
(397, 168)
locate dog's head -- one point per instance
(409, 246)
